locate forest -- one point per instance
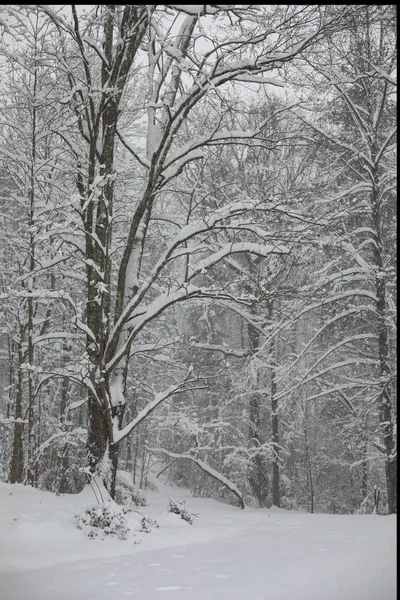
(198, 251)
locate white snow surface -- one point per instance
(250, 554)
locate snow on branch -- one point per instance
(348, 246)
(193, 150)
(207, 469)
(55, 335)
(337, 141)
(85, 329)
(246, 316)
(240, 247)
(183, 236)
(197, 9)
(333, 390)
(388, 76)
(143, 161)
(249, 78)
(42, 267)
(93, 44)
(119, 435)
(223, 349)
(176, 166)
(146, 314)
(77, 435)
(359, 292)
(180, 292)
(339, 365)
(354, 310)
(306, 377)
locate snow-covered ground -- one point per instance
(227, 553)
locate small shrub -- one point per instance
(97, 520)
(147, 524)
(128, 493)
(179, 508)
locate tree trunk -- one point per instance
(385, 399)
(276, 500)
(129, 462)
(258, 477)
(17, 458)
(97, 433)
(385, 404)
(63, 454)
(308, 461)
(364, 465)
(31, 399)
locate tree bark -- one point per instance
(31, 282)
(97, 433)
(17, 458)
(364, 464)
(276, 499)
(258, 477)
(310, 479)
(385, 398)
(97, 218)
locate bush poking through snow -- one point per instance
(97, 520)
(179, 508)
(128, 493)
(147, 524)
(130, 498)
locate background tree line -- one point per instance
(198, 250)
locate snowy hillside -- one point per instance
(227, 553)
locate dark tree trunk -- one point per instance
(98, 217)
(32, 418)
(97, 433)
(31, 475)
(310, 479)
(258, 476)
(17, 458)
(129, 462)
(115, 450)
(385, 404)
(114, 457)
(364, 465)
(385, 400)
(276, 499)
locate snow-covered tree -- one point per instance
(353, 125)
(102, 53)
